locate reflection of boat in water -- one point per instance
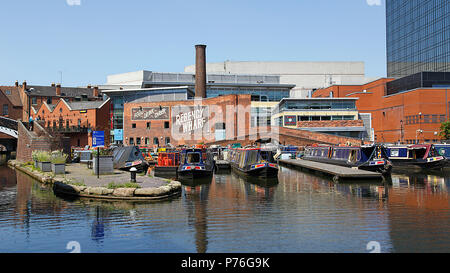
(254, 162)
(189, 182)
(368, 158)
(168, 163)
(423, 156)
(196, 163)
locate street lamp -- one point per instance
(418, 132)
(401, 130)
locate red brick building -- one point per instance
(76, 120)
(186, 122)
(408, 116)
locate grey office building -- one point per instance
(418, 36)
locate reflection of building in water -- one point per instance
(297, 181)
(419, 208)
(7, 178)
(197, 199)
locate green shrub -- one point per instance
(43, 156)
(58, 157)
(34, 155)
(103, 152)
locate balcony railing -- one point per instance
(69, 129)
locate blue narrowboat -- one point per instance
(196, 163)
(254, 162)
(369, 158)
(425, 156)
(443, 150)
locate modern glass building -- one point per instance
(418, 36)
(336, 116)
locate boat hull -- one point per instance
(195, 173)
(398, 163)
(165, 171)
(265, 172)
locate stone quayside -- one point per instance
(80, 182)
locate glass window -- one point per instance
(131, 141)
(5, 110)
(166, 125)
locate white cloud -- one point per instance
(374, 2)
(73, 2)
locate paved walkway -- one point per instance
(79, 173)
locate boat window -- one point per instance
(267, 156)
(193, 158)
(252, 157)
(353, 156)
(419, 153)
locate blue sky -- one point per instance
(99, 37)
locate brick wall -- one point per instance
(38, 140)
(224, 104)
(290, 137)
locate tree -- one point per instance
(445, 130)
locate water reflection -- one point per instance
(419, 213)
(298, 212)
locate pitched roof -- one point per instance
(85, 105)
(13, 95)
(67, 92)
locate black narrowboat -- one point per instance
(254, 162)
(196, 163)
(425, 156)
(370, 158)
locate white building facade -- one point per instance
(306, 76)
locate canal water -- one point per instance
(298, 213)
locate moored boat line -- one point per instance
(369, 158)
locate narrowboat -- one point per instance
(370, 158)
(168, 163)
(425, 156)
(443, 150)
(254, 162)
(196, 163)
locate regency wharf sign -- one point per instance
(190, 119)
(152, 113)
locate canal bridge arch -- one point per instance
(9, 128)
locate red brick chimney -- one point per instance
(89, 86)
(200, 71)
(95, 93)
(24, 85)
(58, 89)
(53, 84)
(17, 84)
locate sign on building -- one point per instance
(290, 120)
(190, 119)
(152, 113)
